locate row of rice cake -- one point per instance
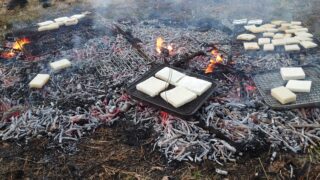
(56, 23)
(292, 35)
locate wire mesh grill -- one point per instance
(266, 81)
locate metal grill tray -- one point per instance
(272, 79)
(185, 110)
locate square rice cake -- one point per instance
(268, 34)
(178, 96)
(283, 95)
(251, 46)
(39, 81)
(293, 47)
(262, 41)
(299, 86)
(268, 47)
(308, 44)
(61, 64)
(278, 42)
(278, 36)
(170, 75)
(152, 86)
(292, 73)
(291, 40)
(195, 85)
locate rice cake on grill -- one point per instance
(195, 85)
(169, 75)
(283, 95)
(178, 96)
(152, 86)
(299, 86)
(292, 73)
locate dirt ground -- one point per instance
(124, 151)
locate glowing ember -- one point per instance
(216, 59)
(18, 45)
(164, 118)
(159, 44)
(8, 55)
(250, 88)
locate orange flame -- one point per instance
(216, 59)
(159, 44)
(18, 45)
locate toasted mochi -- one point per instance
(169, 75)
(292, 73)
(246, 37)
(39, 81)
(45, 23)
(71, 21)
(268, 26)
(278, 42)
(268, 47)
(240, 21)
(249, 27)
(304, 34)
(302, 30)
(296, 23)
(262, 41)
(178, 96)
(255, 21)
(286, 25)
(152, 86)
(268, 34)
(61, 64)
(277, 22)
(283, 95)
(290, 31)
(61, 20)
(308, 44)
(287, 35)
(293, 47)
(195, 85)
(299, 86)
(49, 27)
(296, 27)
(251, 46)
(78, 16)
(271, 30)
(278, 36)
(292, 41)
(257, 30)
(301, 38)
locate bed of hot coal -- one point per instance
(107, 55)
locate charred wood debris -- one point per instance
(108, 55)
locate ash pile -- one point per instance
(107, 55)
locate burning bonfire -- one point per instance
(88, 89)
(215, 60)
(15, 48)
